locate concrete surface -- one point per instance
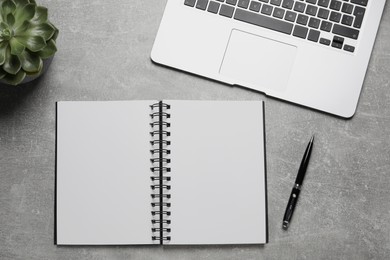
(104, 47)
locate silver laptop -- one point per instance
(310, 52)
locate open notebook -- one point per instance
(168, 172)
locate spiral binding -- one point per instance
(156, 221)
(160, 168)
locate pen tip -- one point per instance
(285, 225)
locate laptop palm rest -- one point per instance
(260, 62)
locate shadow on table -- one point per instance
(169, 247)
(12, 97)
(216, 247)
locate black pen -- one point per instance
(298, 184)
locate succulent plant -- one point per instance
(26, 39)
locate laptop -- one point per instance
(313, 53)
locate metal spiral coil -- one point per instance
(160, 141)
(153, 160)
(154, 196)
(157, 169)
(165, 221)
(160, 168)
(165, 178)
(161, 239)
(158, 151)
(157, 186)
(156, 204)
(159, 114)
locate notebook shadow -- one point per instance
(215, 247)
(170, 247)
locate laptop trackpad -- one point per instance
(261, 62)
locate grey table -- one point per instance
(104, 49)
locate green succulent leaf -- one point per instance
(12, 63)
(16, 47)
(22, 28)
(55, 35)
(27, 38)
(30, 62)
(3, 49)
(3, 26)
(10, 19)
(2, 73)
(40, 16)
(25, 13)
(33, 43)
(15, 79)
(36, 73)
(21, 2)
(49, 50)
(44, 30)
(8, 6)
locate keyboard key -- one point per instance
(360, 2)
(190, 2)
(323, 13)
(338, 39)
(345, 31)
(302, 19)
(323, 3)
(213, 7)
(299, 6)
(231, 2)
(347, 8)
(311, 10)
(325, 41)
(288, 4)
(300, 31)
(267, 9)
(349, 48)
(347, 20)
(337, 45)
(263, 21)
(335, 17)
(276, 2)
(243, 3)
(314, 22)
(255, 6)
(290, 16)
(359, 14)
(202, 4)
(313, 35)
(337, 42)
(306, 16)
(226, 11)
(278, 12)
(335, 5)
(326, 26)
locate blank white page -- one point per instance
(103, 173)
(218, 173)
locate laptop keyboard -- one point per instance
(328, 22)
